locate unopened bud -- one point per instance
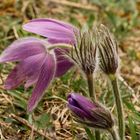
(89, 113)
(108, 53)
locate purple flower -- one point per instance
(89, 113)
(56, 32)
(37, 64)
(60, 32)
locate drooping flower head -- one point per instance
(108, 51)
(37, 66)
(56, 32)
(89, 113)
(38, 62)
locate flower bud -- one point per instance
(89, 113)
(108, 52)
(84, 51)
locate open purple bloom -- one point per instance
(37, 66)
(89, 113)
(56, 32)
(59, 32)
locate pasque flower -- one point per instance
(38, 63)
(56, 32)
(108, 50)
(84, 51)
(89, 113)
(37, 66)
(109, 62)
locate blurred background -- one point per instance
(52, 118)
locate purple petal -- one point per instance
(52, 29)
(22, 49)
(78, 112)
(25, 70)
(56, 40)
(84, 103)
(14, 79)
(62, 67)
(31, 80)
(61, 54)
(45, 77)
(63, 63)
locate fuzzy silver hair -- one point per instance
(108, 51)
(84, 52)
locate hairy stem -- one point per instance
(97, 134)
(119, 105)
(90, 80)
(91, 88)
(114, 133)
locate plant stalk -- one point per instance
(119, 106)
(114, 133)
(90, 80)
(91, 88)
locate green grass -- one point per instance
(51, 115)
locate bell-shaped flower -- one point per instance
(89, 113)
(38, 65)
(56, 32)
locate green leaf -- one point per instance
(89, 133)
(43, 121)
(19, 101)
(132, 129)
